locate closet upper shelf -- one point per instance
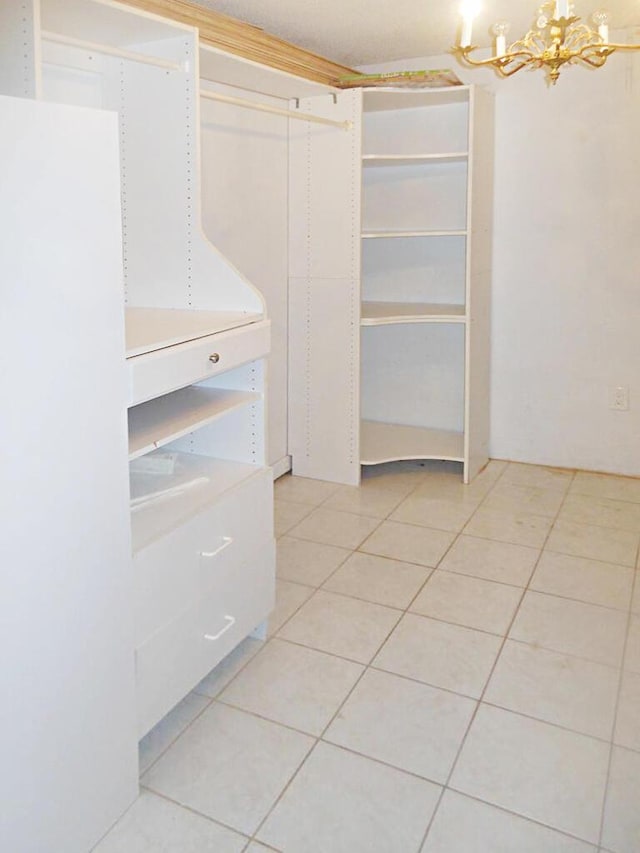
(149, 329)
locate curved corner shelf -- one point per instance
(383, 313)
(384, 442)
(378, 160)
(377, 235)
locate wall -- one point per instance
(566, 252)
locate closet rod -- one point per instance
(252, 105)
(95, 47)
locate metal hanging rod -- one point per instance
(252, 105)
(106, 49)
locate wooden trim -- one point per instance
(248, 41)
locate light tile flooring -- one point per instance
(448, 669)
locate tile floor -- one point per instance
(448, 669)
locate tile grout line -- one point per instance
(319, 738)
(489, 677)
(617, 703)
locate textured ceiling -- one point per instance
(359, 32)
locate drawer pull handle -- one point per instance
(230, 620)
(226, 541)
(214, 358)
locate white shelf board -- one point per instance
(384, 442)
(107, 23)
(381, 160)
(171, 499)
(382, 313)
(389, 98)
(149, 329)
(164, 419)
(373, 235)
(219, 66)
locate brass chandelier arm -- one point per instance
(611, 46)
(504, 64)
(464, 52)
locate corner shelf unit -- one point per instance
(419, 301)
(407, 296)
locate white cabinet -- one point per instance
(172, 572)
(203, 577)
(67, 716)
(413, 330)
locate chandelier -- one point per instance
(557, 38)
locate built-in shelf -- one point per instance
(161, 502)
(164, 419)
(412, 159)
(384, 442)
(149, 329)
(382, 313)
(372, 235)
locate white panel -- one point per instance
(244, 208)
(324, 216)
(324, 291)
(324, 359)
(413, 374)
(20, 53)
(67, 716)
(479, 293)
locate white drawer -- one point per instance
(172, 573)
(173, 661)
(161, 371)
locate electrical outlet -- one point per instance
(619, 398)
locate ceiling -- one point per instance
(360, 32)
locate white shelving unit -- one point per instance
(187, 370)
(409, 310)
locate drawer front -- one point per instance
(162, 371)
(172, 573)
(173, 661)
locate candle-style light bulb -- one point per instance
(468, 10)
(562, 9)
(500, 30)
(601, 19)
